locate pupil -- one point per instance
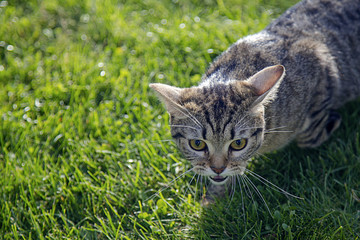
(197, 142)
(238, 142)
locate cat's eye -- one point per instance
(197, 144)
(238, 144)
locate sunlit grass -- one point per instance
(84, 143)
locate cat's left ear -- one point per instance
(170, 96)
(266, 82)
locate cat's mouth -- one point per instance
(219, 179)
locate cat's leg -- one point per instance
(318, 127)
(213, 192)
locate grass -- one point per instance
(82, 137)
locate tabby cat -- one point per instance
(245, 94)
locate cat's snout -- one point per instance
(218, 170)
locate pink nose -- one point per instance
(218, 170)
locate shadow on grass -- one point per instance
(326, 177)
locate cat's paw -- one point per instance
(207, 202)
(212, 193)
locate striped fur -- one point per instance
(318, 43)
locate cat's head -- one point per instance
(219, 125)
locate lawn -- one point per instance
(85, 145)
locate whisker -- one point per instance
(204, 191)
(258, 193)
(201, 187)
(266, 132)
(242, 197)
(197, 180)
(207, 182)
(245, 184)
(238, 122)
(234, 184)
(275, 128)
(246, 188)
(168, 185)
(192, 179)
(189, 115)
(188, 187)
(232, 191)
(271, 185)
(184, 126)
(156, 141)
(163, 140)
(241, 129)
(263, 155)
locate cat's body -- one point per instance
(318, 43)
(240, 109)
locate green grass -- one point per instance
(82, 136)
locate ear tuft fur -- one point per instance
(170, 96)
(266, 82)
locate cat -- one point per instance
(290, 77)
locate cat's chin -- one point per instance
(219, 180)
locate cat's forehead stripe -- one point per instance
(208, 120)
(216, 107)
(204, 133)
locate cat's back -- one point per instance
(336, 25)
(319, 19)
(325, 34)
(310, 38)
(333, 23)
(313, 32)
(318, 42)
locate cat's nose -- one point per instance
(218, 170)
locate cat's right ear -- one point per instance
(265, 82)
(170, 96)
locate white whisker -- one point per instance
(257, 192)
(238, 122)
(184, 126)
(262, 155)
(275, 128)
(266, 132)
(246, 188)
(164, 140)
(232, 193)
(189, 115)
(188, 187)
(191, 118)
(201, 186)
(197, 180)
(271, 185)
(242, 197)
(192, 179)
(241, 129)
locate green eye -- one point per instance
(197, 145)
(238, 144)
